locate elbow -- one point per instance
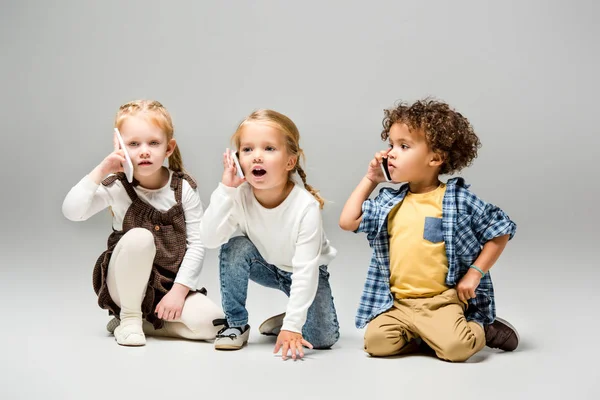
(211, 244)
(209, 241)
(69, 214)
(348, 225)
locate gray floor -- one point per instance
(55, 345)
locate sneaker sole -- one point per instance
(269, 325)
(229, 346)
(112, 325)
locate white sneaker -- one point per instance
(272, 326)
(232, 338)
(130, 335)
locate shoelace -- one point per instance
(231, 336)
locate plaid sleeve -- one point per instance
(370, 218)
(482, 308)
(492, 222)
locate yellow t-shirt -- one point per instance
(418, 262)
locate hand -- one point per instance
(171, 305)
(288, 340)
(374, 172)
(467, 285)
(111, 164)
(229, 171)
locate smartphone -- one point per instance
(128, 166)
(239, 171)
(386, 171)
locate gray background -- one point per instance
(523, 72)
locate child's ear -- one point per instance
(171, 147)
(437, 159)
(291, 164)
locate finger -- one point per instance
(298, 349)
(294, 349)
(115, 141)
(159, 311)
(277, 347)
(177, 315)
(378, 157)
(461, 296)
(229, 160)
(307, 343)
(119, 156)
(472, 294)
(284, 351)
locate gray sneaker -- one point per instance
(272, 326)
(112, 325)
(232, 338)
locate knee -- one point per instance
(324, 339)
(139, 239)
(379, 343)
(239, 247)
(457, 351)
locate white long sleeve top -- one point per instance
(289, 236)
(87, 198)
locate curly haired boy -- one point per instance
(433, 243)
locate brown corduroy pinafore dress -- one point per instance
(168, 228)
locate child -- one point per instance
(154, 254)
(283, 245)
(433, 243)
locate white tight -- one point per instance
(128, 273)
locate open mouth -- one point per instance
(145, 163)
(258, 171)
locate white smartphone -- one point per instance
(384, 168)
(128, 167)
(239, 171)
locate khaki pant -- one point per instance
(439, 321)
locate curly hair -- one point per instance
(447, 132)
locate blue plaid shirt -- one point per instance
(467, 224)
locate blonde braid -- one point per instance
(311, 189)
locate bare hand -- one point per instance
(374, 172)
(288, 340)
(467, 285)
(229, 171)
(114, 161)
(171, 305)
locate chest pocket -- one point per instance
(433, 230)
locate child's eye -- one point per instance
(133, 144)
(404, 147)
(246, 149)
(269, 148)
(154, 143)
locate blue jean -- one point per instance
(240, 261)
